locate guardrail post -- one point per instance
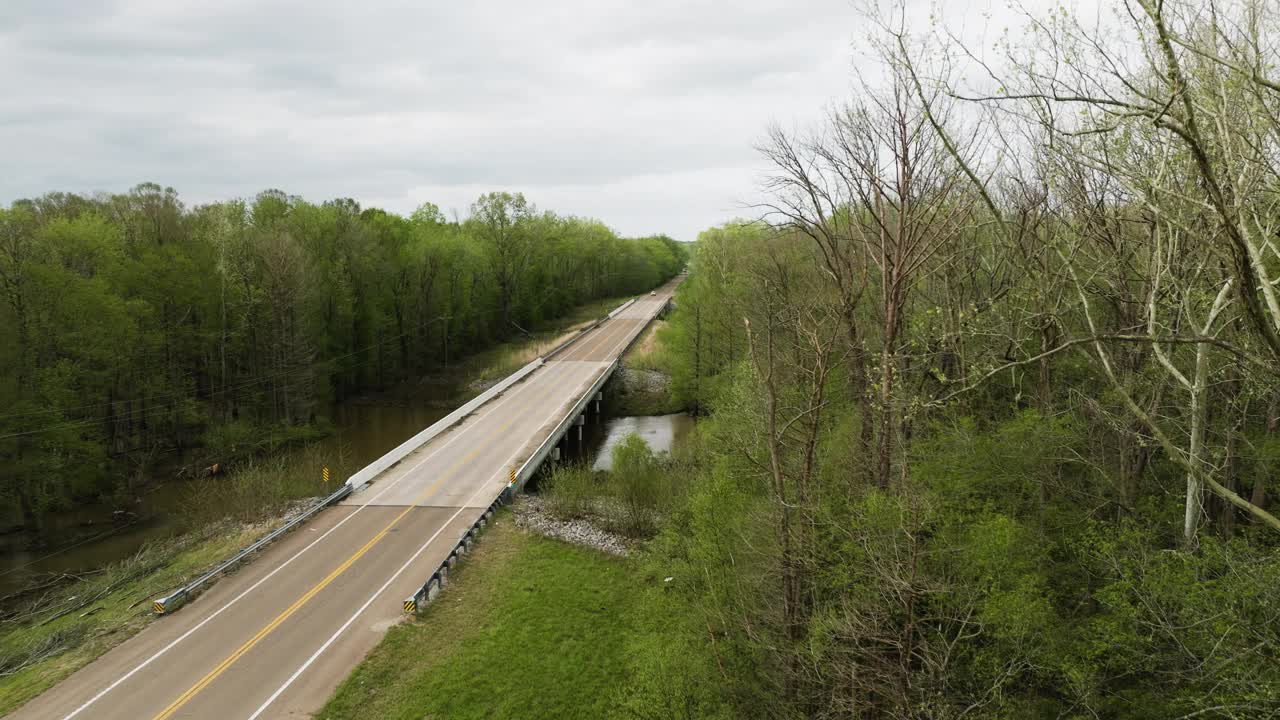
(412, 603)
(169, 603)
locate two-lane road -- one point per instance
(275, 639)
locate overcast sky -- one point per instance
(642, 114)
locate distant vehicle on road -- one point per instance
(653, 292)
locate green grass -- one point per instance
(530, 628)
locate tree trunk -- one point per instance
(1259, 495)
(888, 364)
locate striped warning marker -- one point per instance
(513, 474)
(411, 605)
(158, 607)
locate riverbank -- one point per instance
(49, 635)
(56, 632)
(642, 385)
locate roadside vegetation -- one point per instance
(990, 419)
(528, 628)
(51, 632)
(63, 622)
(632, 499)
(990, 392)
(643, 384)
(140, 338)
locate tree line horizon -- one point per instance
(134, 327)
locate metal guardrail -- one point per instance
(556, 350)
(564, 345)
(440, 576)
(179, 597)
(530, 466)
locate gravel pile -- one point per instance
(532, 515)
(644, 381)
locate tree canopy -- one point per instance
(132, 325)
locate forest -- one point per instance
(991, 390)
(134, 329)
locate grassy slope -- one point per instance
(645, 389)
(531, 628)
(124, 609)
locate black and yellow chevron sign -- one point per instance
(411, 605)
(158, 607)
(325, 473)
(513, 474)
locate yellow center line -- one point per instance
(288, 612)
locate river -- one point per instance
(661, 433)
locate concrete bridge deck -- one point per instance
(274, 639)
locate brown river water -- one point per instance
(363, 432)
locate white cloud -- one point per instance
(643, 115)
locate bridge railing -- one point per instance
(404, 449)
(440, 576)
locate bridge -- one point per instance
(274, 638)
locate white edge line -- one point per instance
(271, 574)
(467, 505)
(386, 488)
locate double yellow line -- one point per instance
(249, 644)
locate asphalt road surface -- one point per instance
(274, 639)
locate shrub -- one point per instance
(569, 491)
